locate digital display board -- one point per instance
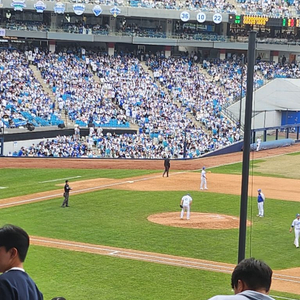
(263, 21)
(255, 20)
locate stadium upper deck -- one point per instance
(218, 28)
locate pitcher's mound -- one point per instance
(197, 220)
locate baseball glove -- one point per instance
(181, 206)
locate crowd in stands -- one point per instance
(175, 102)
(27, 25)
(23, 98)
(279, 70)
(83, 28)
(204, 5)
(270, 8)
(75, 88)
(266, 36)
(231, 76)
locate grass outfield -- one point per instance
(119, 218)
(28, 181)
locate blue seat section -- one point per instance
(19, 122)
(54, 120)
(112, 123)
(81, 123)
(135, 3)
(41, 121)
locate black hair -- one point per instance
(253, 272)
(12, 236)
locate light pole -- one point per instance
(242, 75)
(184, 144)
(2, 138)
(246, 152)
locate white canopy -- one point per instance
(278, 95)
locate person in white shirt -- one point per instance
(251, 279)
(203, 179)
(296, 226)
(185, 204)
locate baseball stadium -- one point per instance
(99, 93)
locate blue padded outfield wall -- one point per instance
(236, 147)
(273, 144)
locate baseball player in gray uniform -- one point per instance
(296, 226)
(203, 179)
(185, 204)
(260, 203)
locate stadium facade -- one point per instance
(136, 27)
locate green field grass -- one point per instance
(28, 181)
(87, 276)
(119, 218)
(283, 166)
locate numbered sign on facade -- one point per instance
(201, 17)
(217, 18)
(184, 16)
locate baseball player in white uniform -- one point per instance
(185, 204)
(296, 226)
(203, 179)
(258, 144)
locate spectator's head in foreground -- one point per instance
(14, 244)
(251, 274)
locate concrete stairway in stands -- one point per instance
(131, 124)
(178, 103)
(47, 89)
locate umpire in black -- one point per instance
(167, 166)
(67, 189)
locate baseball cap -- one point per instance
(203, 168)
(259, 190)
(297, 215)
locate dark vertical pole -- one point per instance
(2, 141)
(254, 137)
(246, 152)
(242, 75)
(184, 145)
